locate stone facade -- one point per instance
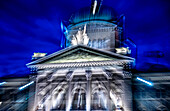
(101, 84)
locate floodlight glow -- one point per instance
(2, 83)
(131, 42)
(94, 8)
(147, 82)
(20, 88)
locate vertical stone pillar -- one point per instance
(109, 99)
(88, 96)
(69, 98)
(88, 92)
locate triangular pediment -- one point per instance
(80, 56)
(79, 53)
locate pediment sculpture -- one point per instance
(80, 38)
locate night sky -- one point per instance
(28, 26)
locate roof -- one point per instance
(84, 14)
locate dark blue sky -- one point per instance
(28, 26)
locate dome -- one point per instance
(84, 14)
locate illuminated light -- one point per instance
(39, 54)
(64, 32)
(130, 42)
(20, 88)
(62, 27)
(2, 83)
(94, 8)
(147, 82)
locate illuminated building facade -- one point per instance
(82, 78)
(88, 74)
(91, 72)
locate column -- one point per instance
(88, 92)
(69, 76)
(88, 96)
(69, 98)
(109, 99)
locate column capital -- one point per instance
(69, 75)
(108, 73)
(88, 74)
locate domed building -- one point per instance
(102, 28)
(92, 72)
(87, 74)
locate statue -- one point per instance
(74, 40)
(123, 50)
(85, 37)
(80, 38)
